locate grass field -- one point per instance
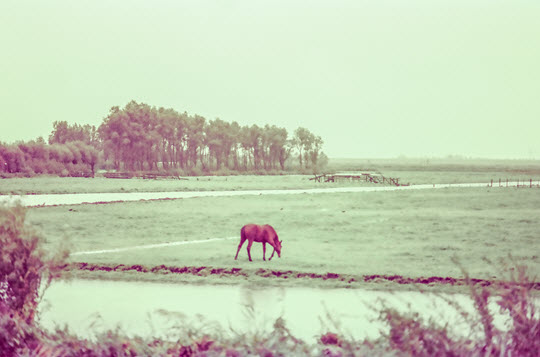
(410, 233)
(407, 170)
(49, 184)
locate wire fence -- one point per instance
(519, 183)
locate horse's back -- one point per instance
(258, 233)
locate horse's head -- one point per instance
(278, 246)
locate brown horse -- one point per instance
(262, 234)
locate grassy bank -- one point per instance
(409, 233)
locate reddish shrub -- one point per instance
(22, 268)
(330, 339)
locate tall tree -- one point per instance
(301, 142)
(63, 133)
(130, 137)
(255, 134)
(236, 143)
(195, 139)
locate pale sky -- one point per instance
(373, 78)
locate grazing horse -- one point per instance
(262, 234)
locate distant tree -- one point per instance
(3, 161)
(285, 152)
(245, 144)
(180, 139)
(309, 147)
(315, 150)
(301, 141)
(255, 138)
(138, 137)
(218, 140)
(64, 132)
(13, 159)
(129, 136)
(278, 144)
(236, 143)
(88, 155)
(195, 139)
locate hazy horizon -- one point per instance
(375, 79)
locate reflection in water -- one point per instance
(161, 310)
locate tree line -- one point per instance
(140, 137)
(36, 157)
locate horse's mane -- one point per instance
(271, 229)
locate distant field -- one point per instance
(409, 233)
(37, 185)
(437, 164)
(46, 184)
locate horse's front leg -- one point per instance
(264, 250)
(272, 254)
(249, 249)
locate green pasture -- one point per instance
(49, 184)
(411, 233)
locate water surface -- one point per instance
(156, 309)
(79, 198)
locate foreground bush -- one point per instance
(24, 268)
(410, 335)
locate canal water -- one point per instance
(79, 198)
(160, 310)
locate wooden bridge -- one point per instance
(364, 176)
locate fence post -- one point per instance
(531, 183)
(507, 182)
(499, 182)
(491, 182)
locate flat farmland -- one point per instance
(414, 172)
(413, 233)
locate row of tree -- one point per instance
(36, 157)
(140, 137)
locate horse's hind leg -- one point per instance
(264, 250)
(242, 240)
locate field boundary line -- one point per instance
(149, 246)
